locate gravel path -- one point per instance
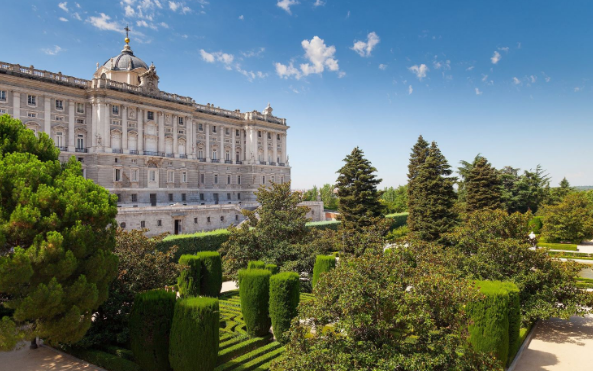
(42, 359)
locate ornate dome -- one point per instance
(125, 61)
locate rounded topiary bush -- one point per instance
(211, 275)
(188, 281)
(150, 324)
(254, 291)
(194, 337)
(323, 263)
(284, 300)
(273, 268)
(256, 264)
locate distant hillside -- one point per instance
(583, 188)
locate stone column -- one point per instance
(193, 137)
(233, 140)
(94, 124)
(161, 133)
(107, 125)
(275, 148)
(207, 143)
(140, 146)
(265, 144)
(124, 129)
(47, 115)
(175, 137)
(241, 142)
(16, 106)
(284, 152)
(249, 146)
(188, 136)
(222, 156)
(71, 134)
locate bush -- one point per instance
(323, 263)
(329, 224)
(536, 223)
(194, 335)
(193, 243)
(284, 300)
(103, 359)
(256, 265)
(188, 282)
(514, 319)
(254, 291)
(559, 246)
(398, 220)
(211, 275)
(273, 268)
(150, 324)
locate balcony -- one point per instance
(215, 160)
(263, 163)
(117, 150)
(201, 159)
(239, 162)
(228, 161)
(281, 164)
(273, 163)
(170, 155)
(152, 153)
(62, 149)
(133, 151)
(81, 150)
(183, 156)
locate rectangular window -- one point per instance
(208, 219)
(115, 109)
(170, 197)
(116, 122)
(118, 197)
(222, 218)
(269, 135)
(183, 198)
(238, 196)
(228, 179)
(80, 121)
(170, 176)
(182, 132)
(152, 175)
(184, 177)
(214, 129)
(150, 115)
(228, 196)
(59, 118)
(278, 136)
(59, 104)
(201, 197)
(237, 133)
(31, 114)
(238, 179)
(236, 217)
(134, 197)
(263, 179)
(215, 178)
(118, 175)
(79, 107)
(180, 121)
(2, 110)
(259, 133)
(31, 100)
(3, 95)
(134, 175)
(200, 127)
(195, 220)
(159, 223)
(228, 131)
(202, 178)
(142, 224)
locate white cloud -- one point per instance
(63, 19)
(52, 51)
(320, 57)
(129, 11)
(446, 65)
(420, 71)
(241, 17)
(228, 62)
(546, 77)
(285, 71)
(77, 16)
(577, 89)
(64, 6)
(187, 9)
(103, 23)
(348, 15)
(319, 3)
(478, 92)
(253, 53)
(469, 68)
(382, 66)
(516, 81)
(504, 49)
(77, 5)
(143, 23)
(174, 6)
(533, 79)
(410, 89)
(364, 49)
(286, 4)
(495, 57)
(129, 2)
(164, 25)
(484, 77)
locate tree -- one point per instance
(311, 194)
(557, 195)
(434, 197)
(329, 198)
(357, 190)
(524, 192)
(464, 170)
(395, 200)
(483, 187)
(417, 159)
(570, 220)
(56, 239)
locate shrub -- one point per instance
(256, 265)
(150, 324)
(211, 275)
(329, 224)
(284, 300)
(323, 263)
(193, 243)
(536, 223)
(188, 282)
(398, 220)
(194, 335)
(103, 359)
(514, 319)
(273, 268)
(254, 291)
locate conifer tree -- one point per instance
(417, 159)
(357, 190)
(434, 197)
(483, 187)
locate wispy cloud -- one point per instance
(533, 79)
(241, 17)
(320, 57)
(228, 62)
(180, 6)
(546, 77)
(419, 70)
(77, 16)
(504, 49)
(495, 57)
(348, 15)
(364, 49)
(469, 68)
(103, 22)
(445, 65)
(64, 6)
(52, 51)
(478, 92)
(516, 81)
(253, 53)
(286, 4)
(410, 90)
(319, 3)
(577, 89)
(63, 19)
(382, 66)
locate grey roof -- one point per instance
(125, 61)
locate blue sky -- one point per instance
(510, 80)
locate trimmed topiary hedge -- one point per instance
(256, 264)
(514, 319)
(254, 291)
(188, 282)
(211, 275)
(284, 299)
(194, 338)
(273, 268)
(193, 243)
(150, 324)
(323, 263)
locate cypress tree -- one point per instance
(417, 159)
(357, 190)
(434, 197)
(483, 187)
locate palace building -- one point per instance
(175, 165)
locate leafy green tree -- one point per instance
(557, 194)
(464, 170)
(311, 194)
(434, 197)
(525, 192)
(483, 187)
(357, 190)
(329, 198)
(417, 159)
(395, 200)
(570, 220)
(56, 240)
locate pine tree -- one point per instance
(417, 159)
(357, 190)
(434, 197)
(483, 187)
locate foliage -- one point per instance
(397, 220)
(104, 360)
(194, 243)
(417, 159)
(570, 220)
(211, 273)
(256, 264)
(395, 311)
(323, 264)
(524, 192)
(464, 171)
(150, 323)
(395, 200)
(273, 268)
(194, 338)
(141, 268)
(398, 234)
(328, 224)
(357, 190)
(254, 290)
(284, 300)
(329, 198)
(56, 239)
(311, 194)
(559, 246)
(557, 195)
(536, 223)
(188, 282)
(483, 187)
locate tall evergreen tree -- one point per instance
(357, 190)
(483, 187)
(417, 159)
(434, 197)
(463, 171)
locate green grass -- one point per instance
(559, 246)
(215, 232)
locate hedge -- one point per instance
(254, 292)
(284, 300)
(329, 224)
(188, 282)
(194, 243)
(273, 268)
(211, 274)
(104, 360)
(496, 319)
(536, 223)
(256, 264)
(194, 335)
(323, 263)
(559, 246)
(150, 324)
(399, 220)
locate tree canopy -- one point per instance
(483, 187)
